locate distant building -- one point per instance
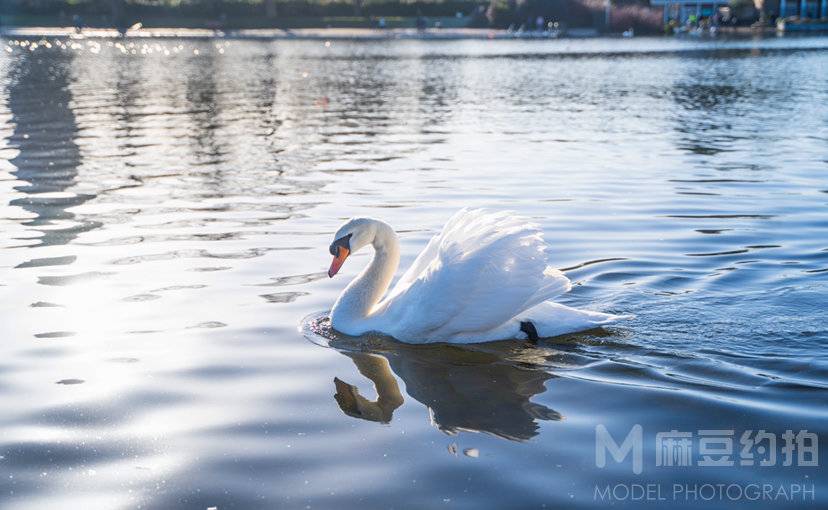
(681, 10)
(803, 8)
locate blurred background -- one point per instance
(536, 17)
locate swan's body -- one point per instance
(481, 279)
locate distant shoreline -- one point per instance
(367, 34)
(353, 34)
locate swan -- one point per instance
(484, 277)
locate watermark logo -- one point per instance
(649, 492)
(709, 448)
(674, 448)
(634, 442)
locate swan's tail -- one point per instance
(550, 319)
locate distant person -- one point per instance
(381, 23)
(422, 23)
(77, 21)
(539, 23)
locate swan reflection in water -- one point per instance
(464, 388)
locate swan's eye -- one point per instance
(344, 241)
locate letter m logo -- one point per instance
(633, 442)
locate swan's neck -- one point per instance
(359, 299)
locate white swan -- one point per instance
(485, 277)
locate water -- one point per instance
(166, 216)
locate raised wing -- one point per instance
(480, 271)
(425, 258)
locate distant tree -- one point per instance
(270, 9)
(118, 16)
(745, 9)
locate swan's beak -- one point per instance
(341, 254)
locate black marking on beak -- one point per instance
(344, 241)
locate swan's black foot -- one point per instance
(529, 328)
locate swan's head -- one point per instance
(350, 238)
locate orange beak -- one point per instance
(341, 254)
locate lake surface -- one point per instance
(166, 215)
